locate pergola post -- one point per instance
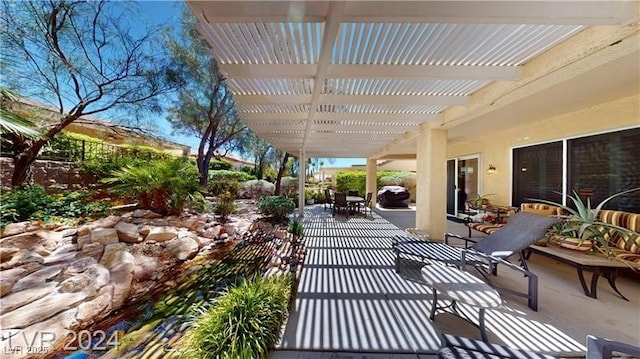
(431, 184)
(372, 174)
(301, 180)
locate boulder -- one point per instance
(41, 309)
(93, 309)
(104, 236)
(94, 250)
(37, 278)
(7, 252)
(60, 257)
(80, 265)
(24, 256)
(211, 232)
(17, 300)
(145, 213)
(75, 284)
(49, 239)
(161, 234)
(115, 254)
(183, 248)
(99, 276)
(128, 232)
(18, 228)
(107, 222)
(144, 268)
(83, 241)
(9, 277)
(43, 335)
(26, 241)
(121, 277)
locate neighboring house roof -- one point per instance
(107, 131)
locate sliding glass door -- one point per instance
(462, 183)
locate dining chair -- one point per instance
(340, 203)
(328, 201)
(367, 204)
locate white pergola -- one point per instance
(360, 78)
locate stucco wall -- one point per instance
(496, 148)
(49, 173)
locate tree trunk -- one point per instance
(25, 152)
(283, 166)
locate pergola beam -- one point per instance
(434, 100)
(414, 72)
(339, 116)
(604, 12)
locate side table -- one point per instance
(458, 286)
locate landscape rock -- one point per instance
(24, 256)
(41, 309)
(37, 278)
(49, 239)
(17, 300)
(145, 213)
(99, 276)
(13, 229)
(94, 250)
(80, 265)
(93, 309)
(60, 257)
(128, 232)
(115, 254)
(144, 268)
(104, 236)
(83, 241)
(183, 248)
(75, 284)
(9, 277)
(108, 222)
(25, 241)
(43, 335)
(7, 252)
(121, 277)
(161, 234)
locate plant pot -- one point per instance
(576, 244)
(310, 201)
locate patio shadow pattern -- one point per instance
(351, 300)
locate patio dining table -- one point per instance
(355, 201)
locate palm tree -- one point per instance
(11, 122)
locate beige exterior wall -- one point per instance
(496, 149)
(398, 165)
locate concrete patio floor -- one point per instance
(352, 304)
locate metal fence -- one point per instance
(76, 150)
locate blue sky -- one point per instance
(168, 12)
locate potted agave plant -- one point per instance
(581, 230)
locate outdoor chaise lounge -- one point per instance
(484, 254)
(462, 348)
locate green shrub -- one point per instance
(222, 186)
(101, 167)
(243, 323)
(257, 188)
(225, 175)
(163, 186)
(346, 180)
(225, 206)
(216, 165)
(296, 228)
(277, 207)
(33, 203)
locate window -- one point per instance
(602, 165)
(597, 167)
(537, 173)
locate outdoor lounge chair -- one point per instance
(485, 254)
(461, 348)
